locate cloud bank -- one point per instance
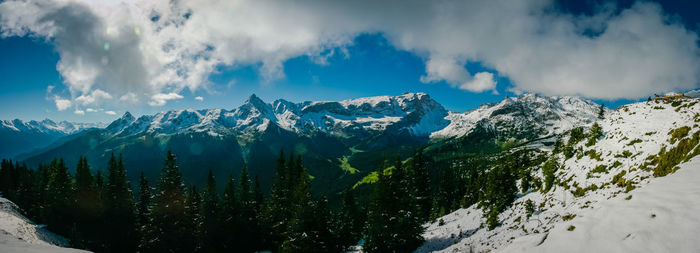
(151, 51)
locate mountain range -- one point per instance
(361, 132)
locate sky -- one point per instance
(91, 61)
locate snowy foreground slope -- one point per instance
(606, 197)
(661, 217)
(19, 234)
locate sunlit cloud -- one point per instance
(138, 50)
(199, 98)
(160, 99)
(62, 104)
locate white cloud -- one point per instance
(129, 98)
(160, 99)
(632, 52)
(90, 110)
(79, 112)
(482, 81)
(62, 104)
(96, 96)
(110, 112)
(199, 98)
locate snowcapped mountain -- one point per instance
(413, 113)
(19, 234)
(363, 130)
(632, 190)
(529, 114)
(23, 136)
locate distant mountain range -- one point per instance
(19, 136)
(362, 132)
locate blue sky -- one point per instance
(369, 64)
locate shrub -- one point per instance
(666, 161)
(568, 217)
(619, 179)
(571, 228)
(529, 208)
(678, 133)
(635, 141)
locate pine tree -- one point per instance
(349, 221)
(278, 209)
(310, 227)
(251, 237)
(193, 219)
(230, 215)
(170, 231)
(87, 203)
(499, 191)
(143, 210)
(119, 214)
(392, 221)
(447, 195)
(59, 198)
(210, 232)
(548, 169)
(421, 184)
(601, 111)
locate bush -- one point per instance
(571, 228)
(666, 161)
(529, 208)
(635, 141)
(678, 133)
(568, 217)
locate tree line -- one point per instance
(101, 212)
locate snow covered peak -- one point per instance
(46, 126)
(527, 113)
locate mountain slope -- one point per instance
(640, 142)
(661, 217)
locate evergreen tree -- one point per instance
(349, 221)
(230, 215)
(310, 227)
(87, 204)
(170, 231)
(143, 210)
(548, 169)
(278, 210)
(499, 192)
(58, 214)
(421, 184)
(392, 221)
(250, 239)
(447, 195)
(119, 210)
(210, 231)
(601, 111)
(193, 219)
